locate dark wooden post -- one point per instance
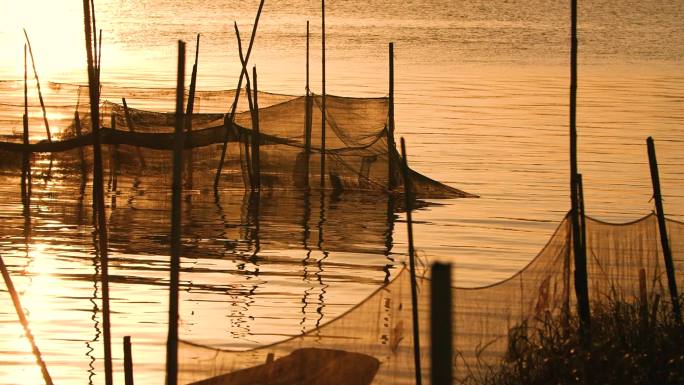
(581, 284)
(24, 322)
(441, 348)
(256, 138)
(662, 227)
(390, 124)
(408, 201)
(308, 105)
(128, 361)
(323, 112)
(98, 188)
(172, 339)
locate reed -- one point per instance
(40, 93)
(408, 202)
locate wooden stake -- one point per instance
(441, 350)
(131, 128)
(40, 94)
(308, 106)
(98, 190)
(229, 120)
(323, 111)
(256, 138)
(408, 202)
(172, 340)
(581, 285)
(662, 227)
(390, 128)
(24, 322)
(128, 361)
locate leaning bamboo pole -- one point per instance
(248, 138)
(98, 190)
(176, 202)
(24, 322)
(40, 93)
(229, 119)
(408, 202)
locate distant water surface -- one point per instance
(481, 98)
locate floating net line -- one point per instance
(140, 137)
(372, 342)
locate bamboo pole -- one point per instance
(323, 111)
(189, 111)
(249, 140)
(131, 128)
(441, 349)
(256, 138)
(308, 105)
(128, 361)
(172, 339)
(408, 202)
(24, 322)
(390, 128)
(581, 285)
(229, 120)
(40, 93)
(662, 227)
(26, 162)
(98, 190)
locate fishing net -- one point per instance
(284, 154)
(378, 331)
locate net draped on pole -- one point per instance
(377, 331)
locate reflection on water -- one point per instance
(252, 263)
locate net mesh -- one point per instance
(139, 137)
(380, 327)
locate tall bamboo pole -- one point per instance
(408, 202)
(229, 119)
(662, 227)
(40, 93)
(98, 190)
(390, 127)
(24, 322)
(256, 138)
(581, 285)
(323, 111)
(172, 339)
(308, 105)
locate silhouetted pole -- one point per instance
(229, 119)
(581, 285)
(583, 214)
(131, 128)
(256, 138)
(172, 339)
(308, 117)
(40, 93)
(441, 349)
(24, 322)
(98, 190)
(390, 128)
(408, 202)
(128, 361)
(249, 140)
(323, 94)
(662, 227)
(189, 111)
(26, 170)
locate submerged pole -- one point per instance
(40, 93)
(441, 349)
(323, 94)
(98, 189)
(172, 339)
(662, 227)
(24, 322)
(412, 264)
(581, 284)
(390, 126)
(128, 361)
